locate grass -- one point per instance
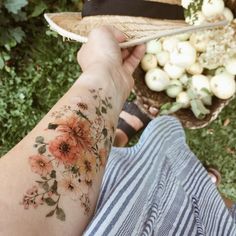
(216, 145)
(45, 67)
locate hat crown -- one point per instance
(175, 2)
(158, 9)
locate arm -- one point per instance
(50, 181)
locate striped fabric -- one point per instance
(158, 187)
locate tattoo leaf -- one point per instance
(98, 111)
(104, 110)
(60, 214)
(54, 187)
(39, 139)
(104, 102)
(52, 126)
(79, 113)
(50, 201)
(53, 174)
(74, 170)
(104, 132)
(45, 186)
(42, 149)
(51, 213)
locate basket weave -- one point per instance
(147, 98)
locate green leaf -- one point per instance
(51, 213)
(39, 139)
(60, 214)
(166, 106)
(38, 9)
(20, 16)
(17, 33)
(198, 109)
(174, 108)
(42, 149)
(1, 63)
(15, 5)
(50, 201)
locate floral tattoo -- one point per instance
(67, 165)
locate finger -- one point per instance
(119, 36)
(134, 59)
(125, 54)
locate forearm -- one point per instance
(55, 172)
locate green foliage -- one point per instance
(37, 72)
(14, 15)
(216, 145)
(193, 8)
(14, 6)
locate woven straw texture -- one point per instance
(134, 28)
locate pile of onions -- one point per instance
(177, 66)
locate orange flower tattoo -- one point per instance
(68, 164)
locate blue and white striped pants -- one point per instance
(158, 187)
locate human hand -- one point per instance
(102, 50)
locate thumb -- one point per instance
(131, 63)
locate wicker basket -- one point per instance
(147, 98)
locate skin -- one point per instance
(108, 72)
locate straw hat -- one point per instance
(129, 16)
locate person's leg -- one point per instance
(131, 121)
(216, 179)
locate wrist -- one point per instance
(111, 78)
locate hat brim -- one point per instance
(137, 29)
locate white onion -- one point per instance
(183, 98)
(228, 14)
(211, 8)
(163, 57)
(169, 44)
(157, 79)
(223, 85)
(149, 62)
(199, 83)
(184, 55)
(174, 88)
(195, 69)
(153, 46)
(173, 71)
